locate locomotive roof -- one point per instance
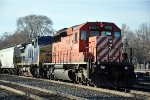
(63, 32)
(45, 40)
(59, 32)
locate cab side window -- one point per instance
(30, 53)
(117, 34)
(35, 44)
(76, 37)
(83, 35)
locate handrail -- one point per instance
(61, 56)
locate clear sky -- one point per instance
(66, 13)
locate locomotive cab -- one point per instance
(107, 64)
(100, 39)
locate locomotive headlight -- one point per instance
(126, 68)
(103, 67)
(98, 62)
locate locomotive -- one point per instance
(89, 53)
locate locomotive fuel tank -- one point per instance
(64, 74)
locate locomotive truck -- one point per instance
(89, 53)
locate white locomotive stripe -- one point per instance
(102, 53)
(115, 47)
(114, 40)
(117, 43)
(115, 50)
(102, 44)
(116, 56)
(105, 55)
(105, 58)
(117, 53)
(99, 38)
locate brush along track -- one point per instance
(86, 92)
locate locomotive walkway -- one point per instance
(48, 89)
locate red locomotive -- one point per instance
(89, 53)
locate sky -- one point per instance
(67, 13)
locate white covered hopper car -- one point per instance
(8, 58)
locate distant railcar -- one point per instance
(32, 55)
(8, 59)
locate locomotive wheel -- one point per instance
(78, 80)
(49, 74)
(20, 71)
(95, 85)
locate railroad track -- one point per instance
(8, 95)
(140, 87)
(75, 90)
(144, 83)
(33, 92)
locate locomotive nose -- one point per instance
(108, 48)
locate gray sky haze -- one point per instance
(66, 13)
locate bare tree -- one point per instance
(129, 39)
(13, 39)
(143, 34)
(124, 30)
(4, 40)
(28, 28)
(35, 25)
(139, 40)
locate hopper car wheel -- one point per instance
(37, 72)
(20, 71)
(8, 71)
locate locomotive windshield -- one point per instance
(94, 33)
(106, 33)
(117, 34)
(83, 35)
